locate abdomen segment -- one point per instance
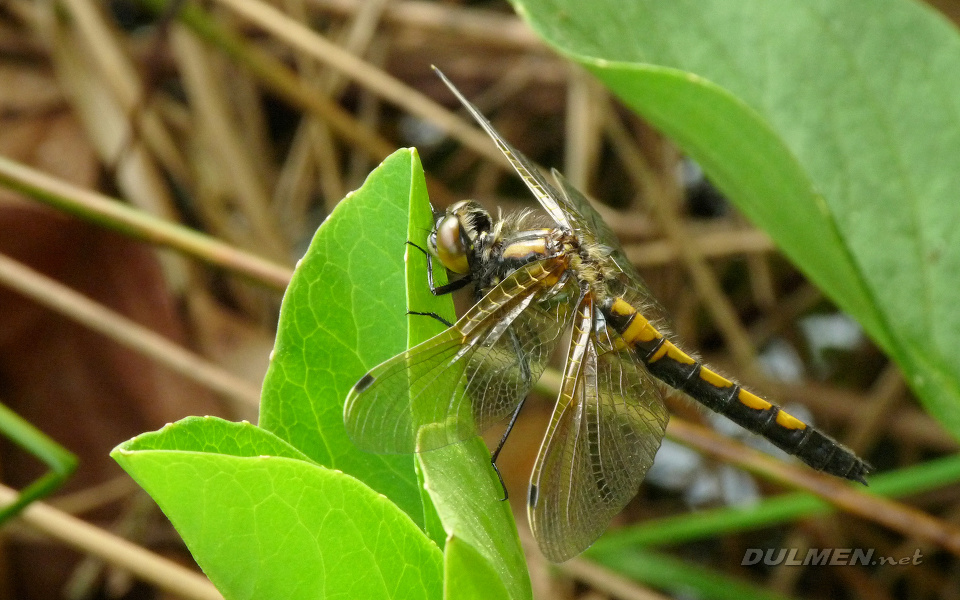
(668, 363)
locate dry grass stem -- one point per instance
(64, 300)
(163, 573)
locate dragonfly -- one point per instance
(536, 276)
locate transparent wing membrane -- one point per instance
(602, 439)
(467, 378)
(542, 191)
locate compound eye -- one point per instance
(446, 243)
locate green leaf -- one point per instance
(343, 314)
(468, 574)
(346, 310)
(432, 526)
(213, 435)
(832, 125)
(263, 521)
(419, 297)
(468, 497)
(258, 507)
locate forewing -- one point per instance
(542, 191)
(462, 381)
(602, 439)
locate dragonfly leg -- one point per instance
(527, 377)
(442, 289)
(503, 440)
(432, 315)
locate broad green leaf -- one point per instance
(263, 521)
(385, 278)
(468, 574)
(419, 297)
(259, 508)
(345, 312)
(213, 435)
(831, 124)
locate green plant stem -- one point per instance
(788, 507)
(62, 463)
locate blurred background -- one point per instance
(246, 136)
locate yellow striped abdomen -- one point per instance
(668, 363)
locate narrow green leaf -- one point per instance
(682, 579)
(781, 509)
(835, 134)
(61, 462)
(432, 525)
(419, 297)
(265, 522)
(468, 497)
(468, 575)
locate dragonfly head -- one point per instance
(456, 233)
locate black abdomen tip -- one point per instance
(858, 472)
